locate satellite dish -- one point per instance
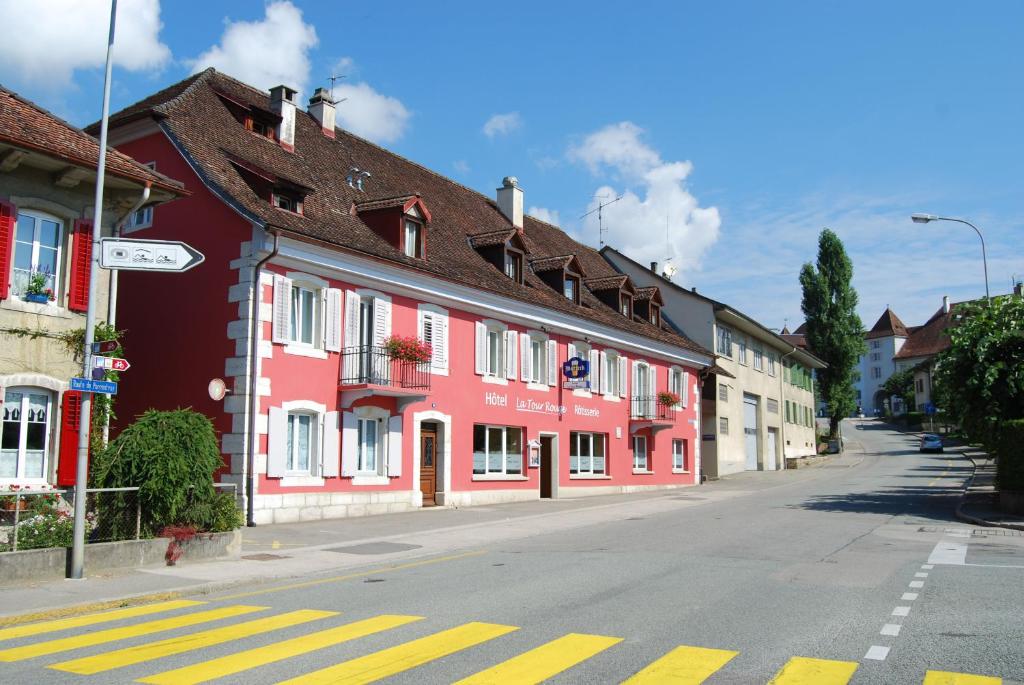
(217, 389)
(670, 270)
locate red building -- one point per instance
(352, 246)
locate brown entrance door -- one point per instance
(546, 463)
(428, 465)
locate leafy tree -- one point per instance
(980, 378)
(834, 331)
(901, 384)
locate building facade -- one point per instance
(408, 339)
(758, 406)
(47, 196)
(884, 342)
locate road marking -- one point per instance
(909, 596)
(803, 671)
(920, 574)
(948, 552)
(917, 583)
(684, 665)
(93, 619)
(949, 678)
(877, 653)
(927, 567)
(186, 643)
(546, 661)
(261, 656)
(388, 662)
(350, 576)
(114, 634)
(891, 629)
(901, 611)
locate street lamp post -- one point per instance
(926, 218)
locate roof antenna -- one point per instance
(332, 79)
(600, 220)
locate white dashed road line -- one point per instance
(909, 596)
(877, 653)
(891, 629)
(901, 611)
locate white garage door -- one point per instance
(750, 430)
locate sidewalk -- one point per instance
(979, 504)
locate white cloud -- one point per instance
(461, 166)
(370, 114)
(265, 53)
(545, 214)
(44, 43)
(657, 217)
(502, 124)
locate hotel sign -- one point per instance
(576, 371)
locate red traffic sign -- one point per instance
(111, 363)
(105, 347)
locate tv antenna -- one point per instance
(332, 79)
(600, 219)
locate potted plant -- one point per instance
(408, 349)
(11, 502)
(37, 290)
(668, 399)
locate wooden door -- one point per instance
(428, 465)
(546, 464)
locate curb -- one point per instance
(963, 516)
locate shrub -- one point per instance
(914, 418)
(1010, 465)
(171, 457)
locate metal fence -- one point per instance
(45, 518)
(374, 365)
(648, 407)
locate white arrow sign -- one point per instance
(148, 255)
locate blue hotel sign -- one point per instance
(576, 371)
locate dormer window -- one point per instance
(287, 200)
(412, 239)
(402, 221)
(505, 249)
(514, 264)
(626, 305)
(259, 127)
(655, 315)
(571, 287)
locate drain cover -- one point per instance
(374, 548)
(264, 557)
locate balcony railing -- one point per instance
(372, 365)
(647, 408)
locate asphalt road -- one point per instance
(859, 561)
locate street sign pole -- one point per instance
(82, 467)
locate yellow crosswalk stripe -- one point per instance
(114, 634)
(684, 665)
(537, 665)
(803, 671)
(387, 662)
(186, 643)
(92, 619)
(950, 678)
(260, 656)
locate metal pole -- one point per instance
(984, 257)
(82, 470)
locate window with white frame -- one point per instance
(741, 355)
(610, 373)
(723, 341)
(679, 455)
(758, 359)
(303, 319)
(875, 344)
(369, 438)
(538, 367)
(723, 425)
(876, 356)
(25, 433)
(641, 460)
(37, 251)
(302, 442)
(772, 406)
(433, 324)
(677, 385)
(140, 218)
(497, 450)
(587, 453)
(723, 392)
(412, 239)
(876, 372)
(495, 352)
(771, 363)
(306, 313)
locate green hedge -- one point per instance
(1010, 465)
(914, 418)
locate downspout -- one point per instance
(782, 409)
(112, 291)
(249, 465)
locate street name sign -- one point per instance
(89, 385)
(104, 347)
(112, 363)
(148, 255)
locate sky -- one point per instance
(732, 132)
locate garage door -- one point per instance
(750, 430)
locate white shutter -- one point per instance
(282, 308)
(603, 361)
(395, 446)
(552, 362)
(349, 444)
(633, 378)
(481, 348)
(381, 320)
(329, 454)
(440, 341)
(570, 352)
(622, 376)
(595, 369)
(332, 319)
(277, 443)
(350, 365)
(510, 354)
(652, 383)
(525, 357)
(684, 397)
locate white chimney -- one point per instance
(321, 108)
(945, 304)
(282, 102)
(510, 200)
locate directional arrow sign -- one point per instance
(112, 363)
(148, 255)
(104, 347)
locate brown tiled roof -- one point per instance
(607, 282)
(801, 329)
(197, 119)
(492, 238)
(931, 338)
(888, 324)
(550, 263)
(648, 293)
(796, 340)
(28, 126)
(383, 203)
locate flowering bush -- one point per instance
(668, 399)
(408, 349)
(37, 284)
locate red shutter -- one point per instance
(81, 261)
(71, 417)
(8, 216)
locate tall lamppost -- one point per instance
(926, 218)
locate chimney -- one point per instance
(321, 108)
(510, 200)
(282, 102)
(945, 304)
(654, 267)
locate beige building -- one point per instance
(47, 195)
(758, 400)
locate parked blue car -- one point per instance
(931, 443)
